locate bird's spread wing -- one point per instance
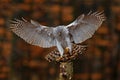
(85, 26)
(33, 33)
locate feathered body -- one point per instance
(61, 36)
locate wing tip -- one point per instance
(99, 14)
(15, 20)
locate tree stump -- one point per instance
(66, 61)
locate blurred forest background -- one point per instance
(21, 61)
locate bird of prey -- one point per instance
(60, 36)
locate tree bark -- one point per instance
(66, 71)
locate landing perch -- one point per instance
(66, 61)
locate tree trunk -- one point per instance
(66, 71)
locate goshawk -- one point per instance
(60, 36)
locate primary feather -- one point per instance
(61, 36)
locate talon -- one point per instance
(66, 50)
